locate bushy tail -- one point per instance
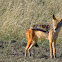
(29, 34)
(29, 37)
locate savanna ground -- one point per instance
(16, 16)
(13, 51)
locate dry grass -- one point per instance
(17, 16)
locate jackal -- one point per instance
(49, 31)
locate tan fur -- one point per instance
(51, 35)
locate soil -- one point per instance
(14, 51)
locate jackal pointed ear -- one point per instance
(54, 17)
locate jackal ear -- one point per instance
(54, 17)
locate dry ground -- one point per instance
(13, 51)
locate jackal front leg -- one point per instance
(54, 48)
(50, 43)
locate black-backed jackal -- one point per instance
(44, 31)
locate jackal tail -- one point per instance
(29, 37)
(29, 34)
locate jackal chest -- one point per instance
(55, 34)
(41, 34)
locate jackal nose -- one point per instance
(61, 19)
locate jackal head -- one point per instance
(57, 23)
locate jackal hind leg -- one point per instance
(33, 43)
(28, 45)
(54, 48)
